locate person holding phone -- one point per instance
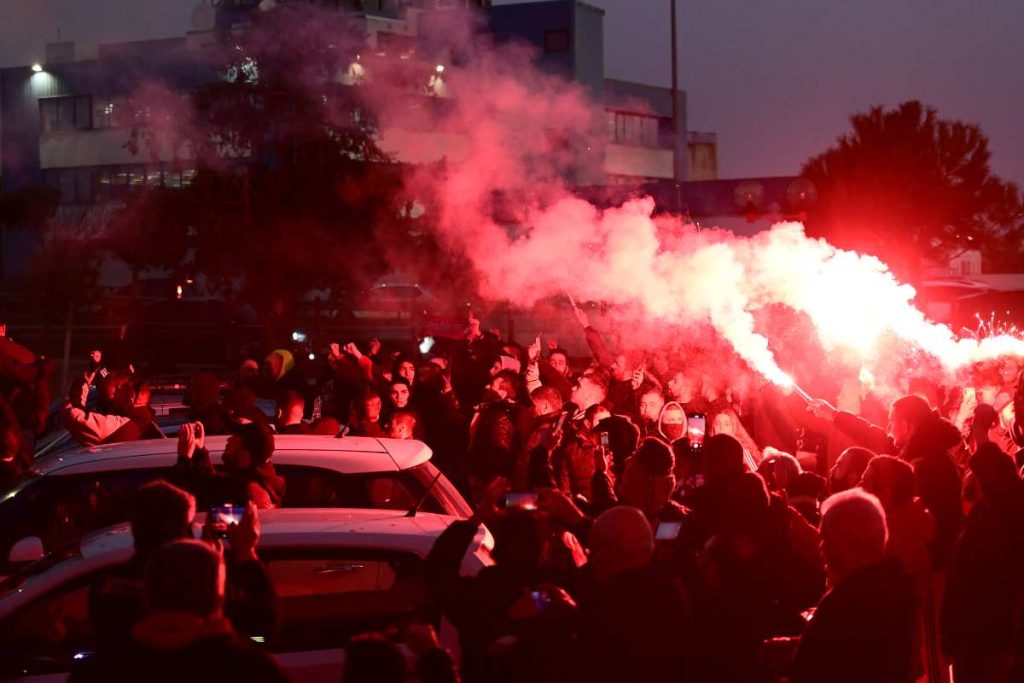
(248, 473)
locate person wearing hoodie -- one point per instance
(185, 635)
(921, 437)
(981, 610)
(671, 423)
(248, 473)
(863, 628)
(911, 531)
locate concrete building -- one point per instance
(63, 122)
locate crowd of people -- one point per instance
(649, 525)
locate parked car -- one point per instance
(337, 573)
(67, 495)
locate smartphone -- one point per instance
(667, 531)
(561, 421)
(604, 440)
(541, 600)
(696, 427)
(223, 516)
(520, 501)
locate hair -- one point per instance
(561, 351)
(912, 408)
(649, 387)
(508, 382)
(548, 394)
(374, 659)
(622, 537)
(185, 575)
(722, 457)
(406, 417)
(855, 520)
(161, 512)
(257, 439)
(654, 457)
(888, 474)
(776, 463)
(398, 379)
(597, 378)
(290, 400)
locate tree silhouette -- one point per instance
(913, 189)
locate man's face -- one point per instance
(673, 423)
(399, 430)
(273, 366)
(407, 370)
(399, 395)
(722, 424)
(1008, 371)
(372, 407)
(581, 393)
(651, 404)
(681, 387)
(497, 389)
(235, 456)
(899, 430)
(620, 368)
(559, 362)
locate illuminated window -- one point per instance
(632, 129)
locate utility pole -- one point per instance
(678, 145)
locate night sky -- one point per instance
(776, 79)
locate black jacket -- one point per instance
(863, 630)
(176, 646)
(260, 484)
(937, 476)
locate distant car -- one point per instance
(68, 495)
(393, 302)
(337, 573)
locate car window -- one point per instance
(326, 596)
(48, 635)
(61, 509)
(307, 487)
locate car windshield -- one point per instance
(18, 578)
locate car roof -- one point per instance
(350, 454)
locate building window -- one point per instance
(556, 41)
(632, 129)
(87, 183)
(65, 113)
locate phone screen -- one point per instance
(696, 426)
(223, 516)
(541, 600)
(667, 531)
(521, 501)
(604, 439)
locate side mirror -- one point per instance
(28, 549)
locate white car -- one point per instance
(67, 495)
(337, 573)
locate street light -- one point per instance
(37, 67)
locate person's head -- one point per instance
(546, 401)
(724, 422)
(203, 391)
(1009, 370)
(683, 388)
(721, 458)
(672, 423)
(278, 363)
(596, 413)
(185, 576)
(404, 368)
(290, 406)
(996, 474)
(398, 392)
(647, 479)
(369, 406)
(251, 445)
(505, 385)
(621, 369)
(853, 532)
(559, 360)
(849, 468)
(588, 390)
(891, 480)
(982, 422)
(906, 416)
(402, 426)
(779, 470)
(374, 659)
(652, 400)
(621, 540)
(248, 370)
(161, 512)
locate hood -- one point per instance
(936, 436)
(175, 630)
(661, 426)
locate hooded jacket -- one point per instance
(661, 422)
